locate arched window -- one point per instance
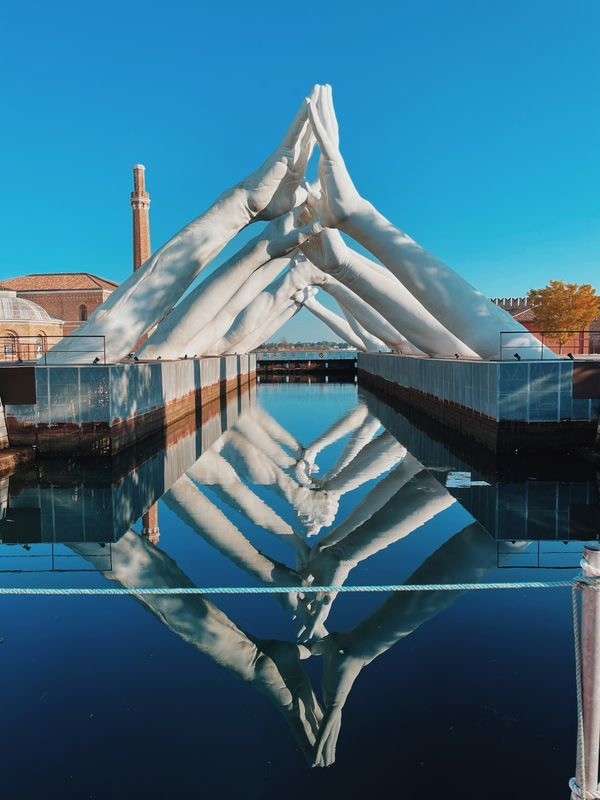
(83, 313)
(40, 344)
(10, 346)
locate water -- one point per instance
(392, 695)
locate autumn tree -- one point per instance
(563, 308)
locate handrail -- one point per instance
(566, 343)
(17, 349)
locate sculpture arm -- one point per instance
(336, 431)
(408, 510)
(271, 667)
(445, 294)
(377, 456)
(195, 510)
(377, 498)
(212, 469)
(372, 343)
(358, 439)
(367, 316)
(263, 332)
(338, 325)
(150, 292)
(271, 302)
(468, 556)
(314, 509)
(205, 339)
(277, 432)
(329, 252)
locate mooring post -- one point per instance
(590, 667)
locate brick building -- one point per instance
(26, 329)
(579, 342)
(67, 296)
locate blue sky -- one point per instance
(473, 126)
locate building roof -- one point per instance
(46, 281)
(16, 309)
(522, 315)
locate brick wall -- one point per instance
(66, 305)
(25, 343)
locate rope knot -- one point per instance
(577, 792)
(590, 575)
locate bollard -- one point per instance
(590, 667)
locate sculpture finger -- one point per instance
(325, 145)
(296, 127)
(307, 231)
(330, 116)
(307, 145)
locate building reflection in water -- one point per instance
(251, 450)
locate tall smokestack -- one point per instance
(140, 205)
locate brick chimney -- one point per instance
(150, 527)
(140, 205)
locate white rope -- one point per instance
(588, 569)
(577, 792)
(581, 792)
(311, 589)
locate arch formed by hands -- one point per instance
(404, 299)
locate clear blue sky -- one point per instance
(474, 126)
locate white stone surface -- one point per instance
(413, 304)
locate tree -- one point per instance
(563, 308)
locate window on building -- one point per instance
(83, 313)
(40, 344)
(10, 346)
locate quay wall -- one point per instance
(94, 502)
(514, 497)
(102, 409)
(531, 406)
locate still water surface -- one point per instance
(427, 694)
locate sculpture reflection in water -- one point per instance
(402, 500)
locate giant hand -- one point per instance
(447, 297)
(337, 199)
(201, 318)
(151, 292)
(378, 287)
(272, 667)
(275, 187)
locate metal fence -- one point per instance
(34, 349)
(535, 345)
(304, 355)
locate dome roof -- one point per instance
(15, 309)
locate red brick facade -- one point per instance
(72, 307)
(26, 330)
(140, 205)
(27, 340)
(69, 296)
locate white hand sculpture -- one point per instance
(270, 303)
(151, 292)
(380, 289)
(190, 325)
(275, 187)
(338, 325)
(338, 198)
(448, 297)
(272, 667)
